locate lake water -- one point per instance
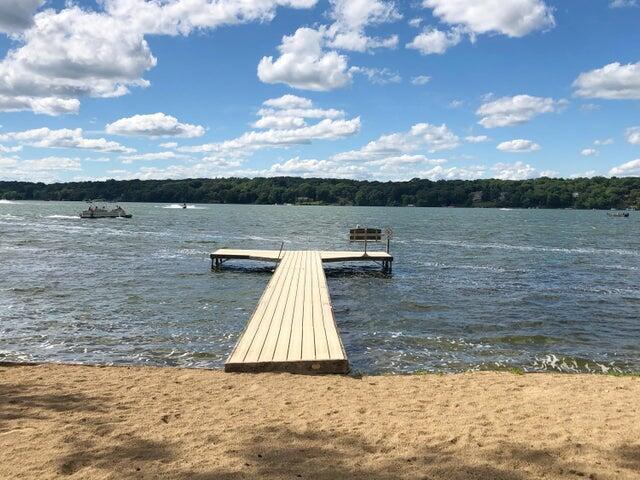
(471, 288)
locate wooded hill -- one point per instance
(583, 193)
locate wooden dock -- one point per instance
(293, 328)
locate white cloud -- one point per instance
(513, 171)
(283, 123)
(52, 163)
(378, 76)
(154, 125)
(623, 3)
(43, 105)
(589, 152)
(477, 138)
(612, 82)
(17, 15)
(151, 156)
(452, 173)
(433, 138)
(420, 80)
(456, 103)
(434, 41)
(589, 107)
(508, 111)
(76, 52)
(633, 135)
(315, 168)
(304, 64)
(415, 22)
(629, 169)
(587, 174)
(606, 141)
(518, 146)
(288, 102)
(63, 138)
(351, 17)
(15, 149)
(169, 145)
(514, 18)
(279, 122)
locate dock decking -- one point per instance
(293, 328)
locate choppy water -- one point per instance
(541, 290)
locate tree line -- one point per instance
(581, 193)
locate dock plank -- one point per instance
(293, 328)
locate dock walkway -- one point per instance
(293, 328)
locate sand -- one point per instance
(79, 422)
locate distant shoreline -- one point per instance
(550, 193)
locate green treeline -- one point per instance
(597, 192)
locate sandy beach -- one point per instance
(62, 421)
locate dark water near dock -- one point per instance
(472, 288)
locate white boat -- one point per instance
(103, 212)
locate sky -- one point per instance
(364, 89)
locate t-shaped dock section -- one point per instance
(293, 328)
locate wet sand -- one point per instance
(62, 421)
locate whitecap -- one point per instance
(75, 217)
(7, 202)
(191, 207)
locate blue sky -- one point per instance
(371, 89)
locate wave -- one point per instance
(7, 202)
(190, 207)
(75, 217)
(530, 248)
(8, 216)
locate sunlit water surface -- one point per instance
(471, 288)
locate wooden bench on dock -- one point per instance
(293, 328)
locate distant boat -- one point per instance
(184, 205)
(618, 214)
(103, 212)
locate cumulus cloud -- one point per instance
(15, 149)
(589, 152)
(605, 141)
(612, 82)
(433, 41)
(432, 138)
(46, 169)
(508, 111)
(351, 17)
(633, 135)
(77, 52)
(477, 138)
(513, 171)
(420, 80)
(378, 76)
(151, 156)
(154, 125)
(629, 169)
(16, 16)
(518, 146)
(282, 122)
(304, 64)
(63, 138)
(623, 3)
(515, 18)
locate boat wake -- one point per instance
(191, 207)
(75, 217)
(7, 202)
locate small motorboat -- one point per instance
(618, 214)
(102, 212)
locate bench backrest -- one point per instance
(365, 235)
